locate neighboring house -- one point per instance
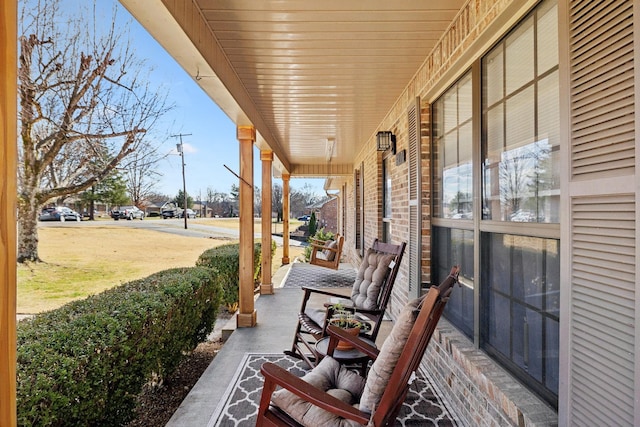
(201, 208)
(327, 215)
(155, 207)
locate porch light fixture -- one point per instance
(386, 140)
(330, 148)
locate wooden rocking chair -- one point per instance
(327, 253)
(333, 395)
(369, 298)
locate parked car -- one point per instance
(59, 213)
(304, 218)
(190, 214)
(127, 212)
(171, 213)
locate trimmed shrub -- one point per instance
(225, 260)
(313, 224)
(85, 363)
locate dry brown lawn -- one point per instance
(80, 261)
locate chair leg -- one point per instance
(294, 352)
(265, 400)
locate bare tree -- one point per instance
(302, 199)
(85, 105)
(276, 199)
(219, 202)
(257, 201)
(141, 174)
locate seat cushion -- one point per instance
(316, 314)
(328, 254)
(328, 376)
(321, 255)
(369, 279)
(382, 368)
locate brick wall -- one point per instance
(480, 391)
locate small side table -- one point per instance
(351, 356)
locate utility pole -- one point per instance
(180, 149)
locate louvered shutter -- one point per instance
(602, 81)
(602, 220)
(415, 226)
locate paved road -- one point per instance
(172, 225)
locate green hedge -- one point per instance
(225, 260)
(84, 363)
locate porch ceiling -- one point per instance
(301, 71)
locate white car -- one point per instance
(190, 214)
(127, 212)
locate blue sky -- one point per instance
(212, 143)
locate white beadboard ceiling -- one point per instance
(301, 71)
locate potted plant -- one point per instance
(346, 320)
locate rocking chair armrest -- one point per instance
(318, 246)
(318, 242)
(363, 310)
(275, 374)
(338, 334)
(323, 292)
(325, 248)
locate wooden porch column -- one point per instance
(266, 284)
(8, 205)
(285, 218)
(246, 314)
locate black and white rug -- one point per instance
(422, 407)
(303, 274)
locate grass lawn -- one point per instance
(83, 261)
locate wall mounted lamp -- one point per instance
(386, 140)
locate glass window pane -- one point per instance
(465, 105)
(499, 323)
(493, 76)
(520, 119)
(519, 55)
(449, 192)
(450, 154)
(551, 356)
(455, 247)
(450, 110)
(549, 109)
(466, 143)
(495, 131)
(551, 278)
(533, 341)
(547, 37)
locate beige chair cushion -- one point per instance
(370, 278)
(330, 255)
(328, 376)
(316, 314)
(382, 368)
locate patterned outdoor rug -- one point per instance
(302, 274)
(422, 406)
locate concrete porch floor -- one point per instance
(273, 334)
